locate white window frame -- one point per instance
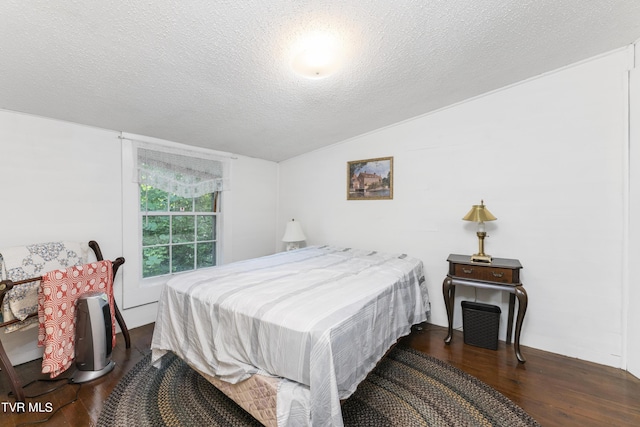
(173, 214)
(138, 291)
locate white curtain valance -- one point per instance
(184, 173)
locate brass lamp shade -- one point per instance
(480, 214)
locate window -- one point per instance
(179, 209)
(178, 233)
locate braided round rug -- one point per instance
(407, 388)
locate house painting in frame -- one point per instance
(370, 179)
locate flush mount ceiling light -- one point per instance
(317, 56)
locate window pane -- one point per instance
(204, 203)
(180, 204)
(171, 234)
(206, 227)
(155, 261)
(206, 254)
(183, 229)
(155, 230)
(182, 258)
(152, 199)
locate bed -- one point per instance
(288, 336)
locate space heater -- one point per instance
(93, 337)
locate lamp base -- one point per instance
(292, 246)
(481, 258)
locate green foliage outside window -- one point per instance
(178, 234)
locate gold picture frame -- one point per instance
(370, 179)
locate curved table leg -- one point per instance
(12, 376)
(512, 303)
(449, 293)
(521, 294)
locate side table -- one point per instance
(501, 274)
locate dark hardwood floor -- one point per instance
(555, 390)
(90, 396)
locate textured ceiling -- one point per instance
(216, 73)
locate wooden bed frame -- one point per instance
(6, 285)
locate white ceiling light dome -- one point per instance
(318, 55)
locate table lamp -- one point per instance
(480, 214)
(293, 235)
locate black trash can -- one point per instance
(481, 323)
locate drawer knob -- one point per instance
(467, 270)
(497, 274)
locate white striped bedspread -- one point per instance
(320, 316)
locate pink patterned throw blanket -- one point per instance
(57, 300)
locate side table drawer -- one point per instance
(484, 273)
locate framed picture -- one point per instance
(370, 179)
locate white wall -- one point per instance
(633, 280)
(253, 199)
(64, 181)
(546, 155)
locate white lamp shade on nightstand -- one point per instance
(293, 235)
